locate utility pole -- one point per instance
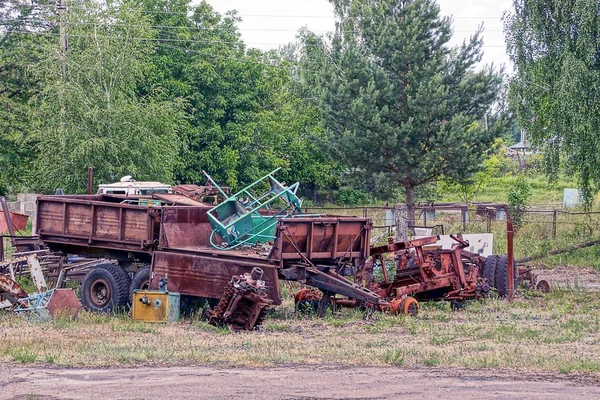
(61, 6)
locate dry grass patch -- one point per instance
(556, 332)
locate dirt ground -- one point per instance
(292, 382)
(564, 277)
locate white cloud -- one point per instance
(267, 24)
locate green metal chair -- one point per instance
(239, 221)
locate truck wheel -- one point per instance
(106, 286)
(489, 270)
(502, 276)
(141, 280)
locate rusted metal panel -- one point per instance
(205, 276)
(320, 238)
(178, 199)
(79, 221)
(185, 227)
(10, 289)
(19, 221)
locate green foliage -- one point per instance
(556, 88)
(158, 95)
(352, 197)
(468, 189)
(19, 53)
(89, 113)
(402, 108)
(519, 196)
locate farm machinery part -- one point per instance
(45, 304)
(244, 303)
(426, 272)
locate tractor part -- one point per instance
(105, 287)
(10, 291)
(502, 277)
(489, 270)
(543, 286)
(248, 217)
(244, 303)
(307, 300)
(395, 306)
(409, 306)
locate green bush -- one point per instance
(353, 197)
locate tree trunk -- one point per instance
(410, 205)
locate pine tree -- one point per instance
(402, 107)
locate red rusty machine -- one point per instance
(425, 271)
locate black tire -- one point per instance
(141, 280)
(502, 276)
(104, 288)
(489, 270)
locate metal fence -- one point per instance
(540, 231)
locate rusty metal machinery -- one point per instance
(244, 303)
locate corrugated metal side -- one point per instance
(320, 238)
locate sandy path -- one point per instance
(293, 382)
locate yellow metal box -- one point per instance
(155, 306)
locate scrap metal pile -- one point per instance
(45, 303)
(234, 252)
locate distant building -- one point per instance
(523, 147)
(520, 150)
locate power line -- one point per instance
(190, 12)
(219, 28)
(191, 41)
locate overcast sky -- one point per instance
(267, 24)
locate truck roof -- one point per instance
(135, 184)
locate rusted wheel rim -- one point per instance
(543, 286)
(409, 306)
(100, 293)
(412, 309)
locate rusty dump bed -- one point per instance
(83, 222)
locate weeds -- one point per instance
(554, 332)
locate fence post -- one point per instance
(401, 221)
(554, 225)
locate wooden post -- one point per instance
(90, 181)
(401, 222)
(511, 257)
(554, 225)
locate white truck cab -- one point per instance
(127, 186)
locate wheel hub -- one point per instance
(100, 293)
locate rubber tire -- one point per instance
(141, 277)
(489, 270)
(502, 276)
(116, 278)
